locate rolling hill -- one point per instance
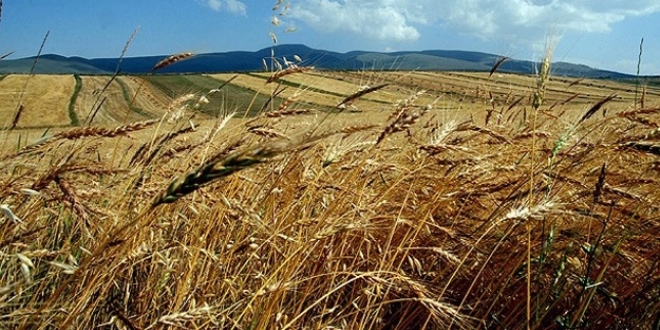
(240, 61)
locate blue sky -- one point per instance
(599, 33)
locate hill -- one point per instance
(240, 61)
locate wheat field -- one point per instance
(449, 201)
(45, 99)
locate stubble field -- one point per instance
(430, 200)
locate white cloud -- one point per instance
(515, 19)
(234, 6)
(374, 19)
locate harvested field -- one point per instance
(258, 84)
(45, 100)
(474, 87)
(331, 86)
(104, 107)
(471, 93)
(149, 98)
(230, 98)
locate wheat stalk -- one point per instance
(78, 133)
(643, 111)
(171, 60)
(349, 99)
(497, 64)
(404, 116)
(596, 107)
(267, 132)
(281, 73)
(213, 169)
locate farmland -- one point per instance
(457, 92)
(45, 99)
(431, 200)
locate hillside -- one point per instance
(241, 61)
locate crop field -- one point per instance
(45, 99)
(239, 99)
(149, 100)
(258, 85)
(129, 98)
(329, 200)
(109, 107)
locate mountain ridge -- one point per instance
(239, 61)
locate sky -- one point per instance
(605, 34)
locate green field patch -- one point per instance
(230, 97)
(129, 100)
(72, 101)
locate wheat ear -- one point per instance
(171, 60)
(292, 70)
(359, 94)
(213, 169)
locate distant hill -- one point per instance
(441, 60)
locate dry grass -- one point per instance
(258, 85)
(45, 102)
(324, 83)
(149, 98)
(105, 107)
(409, 217)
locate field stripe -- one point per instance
(72, 101)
